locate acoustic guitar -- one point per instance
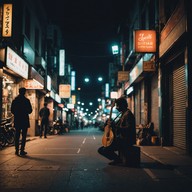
(108, 135)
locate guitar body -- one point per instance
(108, 137)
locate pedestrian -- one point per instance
(44, 115)
(21, 108)
(82, 124)
(77, 123)
(124, 131)
(66, 126)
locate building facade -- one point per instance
(158, 86)
(24, 59)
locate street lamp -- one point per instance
(86, 79)
(100, 79)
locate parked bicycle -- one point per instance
(7, 132)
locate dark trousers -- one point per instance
(110, 151)
(44, 127)
(18, 132)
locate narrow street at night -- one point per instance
(70, 163)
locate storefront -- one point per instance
(8, 94)
(36, 93)
(143, 92)
(173, 59)
(16, 73)
(13, 70)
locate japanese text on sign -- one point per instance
(7, 20)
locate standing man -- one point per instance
(21, 108)
(44, 115)
(124, 132)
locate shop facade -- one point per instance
(174, 80)
(142, 92)
(13, 70)
(16, 73)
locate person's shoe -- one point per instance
(115, 162)
(17, 152)
(45, 137)
(23, 153)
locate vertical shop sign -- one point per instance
(7, 20)
(61, 62)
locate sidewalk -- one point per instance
(171, 156)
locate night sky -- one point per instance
(89, 29)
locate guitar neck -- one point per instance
(113, 104)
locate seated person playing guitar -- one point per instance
(124, 131)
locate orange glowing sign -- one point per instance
(145, 41)
(7, 20)
(65, 91)
(32, 84)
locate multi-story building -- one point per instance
(24, 55)
(158, 86)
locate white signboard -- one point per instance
(16, 63)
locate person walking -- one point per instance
(124, 131)
(21, 108)
(44, 115)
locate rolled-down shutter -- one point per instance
(179, 108)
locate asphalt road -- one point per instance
(70, 163)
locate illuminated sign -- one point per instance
(32, 84)
(7, 20)
(48, 82)
(70, 106)
(73, 99)
(145, 41)
(115, 49)
(72, 80)
(16, 63)
(65, 91)
(61, 62)
(107, 90)
(114, 95)
(129, 90)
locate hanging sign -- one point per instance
(145, 41)
(65, 90)
(7, 20)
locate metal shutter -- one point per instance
(179, 114)
(154, 102)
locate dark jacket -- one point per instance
(21, 108)
(44, 113)
(126, 127)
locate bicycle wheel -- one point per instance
(10, 136)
